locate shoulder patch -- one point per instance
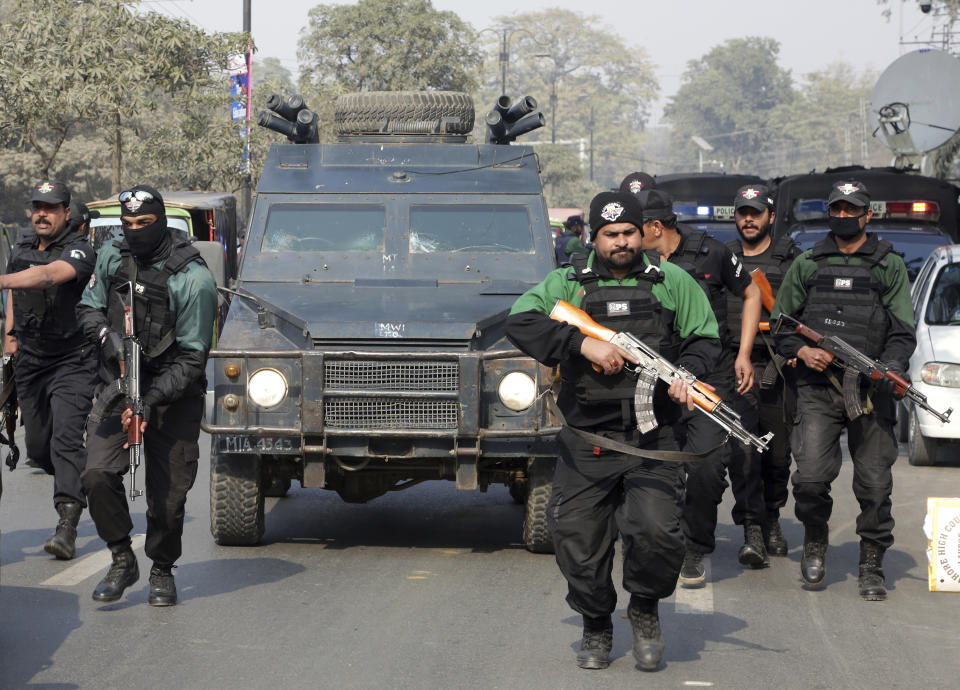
(78, 254)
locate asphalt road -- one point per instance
(430, 588)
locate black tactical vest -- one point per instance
(691, 256)
(45, 320)
(845, 299)
(633, 309)
(774, 264)
(154, 321)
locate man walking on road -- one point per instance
(719, 273)
(769, 405)
(598, 492)
(175, 299)
(851, 284)
(55, 372)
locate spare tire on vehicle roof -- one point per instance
(404, 112)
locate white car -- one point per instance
(935, 364)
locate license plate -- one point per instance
(242, 443)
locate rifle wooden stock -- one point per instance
(564, 311)
(766, 289)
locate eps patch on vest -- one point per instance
(843, 283)
(618, 308)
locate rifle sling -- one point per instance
(627, 449)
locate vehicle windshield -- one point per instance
(943, 307)
(483, 228)
(325, 228)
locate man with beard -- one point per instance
(768, 406)
(851, 284)
(719, 272)
(599, 492)
(174, 300)
(54, 373)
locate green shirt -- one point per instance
(192, 296)
(678, 292)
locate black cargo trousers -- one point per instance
(168, 470)
(765, 410)
(706, 478)
(55, 394)
(598, 493)
(821, 418)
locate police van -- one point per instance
(916, 214)
(704, 201)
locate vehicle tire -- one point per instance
(276, 487)
(903, 423)
(518, 492)
(920, 450)
(405, 112)
(236, 499)
(536, 536)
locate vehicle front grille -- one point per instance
(392, 414)
(392, 375)
(395, 404)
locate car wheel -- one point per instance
(920, 450)
(236, 499)
(536, 536)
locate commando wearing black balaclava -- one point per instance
(153, 242)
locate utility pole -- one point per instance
(591, 142)
(246, 195)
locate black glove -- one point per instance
(111, 345)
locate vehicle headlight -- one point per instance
(267, 387)
(517, 391)
(941, 374)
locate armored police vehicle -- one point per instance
(363, 351)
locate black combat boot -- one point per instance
(692, 572)
(871, 583)
(63, 543)
(163, 590)
(596, 644)
(773, 537)
(123, 573)
(812, 563)
(647, 636)
(753, 552)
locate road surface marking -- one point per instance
(698, 600)
(88, 566)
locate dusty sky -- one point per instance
(812, 33)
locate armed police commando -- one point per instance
(55, 372)
(598, 492)
(173, 299)
(854, 286)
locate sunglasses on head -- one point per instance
(138, 194)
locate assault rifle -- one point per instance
(651, 367)
(8, 412)
(854, 363)
(127, 387)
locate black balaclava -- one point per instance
(151, 243)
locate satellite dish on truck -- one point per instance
(917, 102)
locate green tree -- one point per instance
(64, 64)
(827, 124)
(726, 98)
(388, 45)
(589, 84)
(562, 174)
